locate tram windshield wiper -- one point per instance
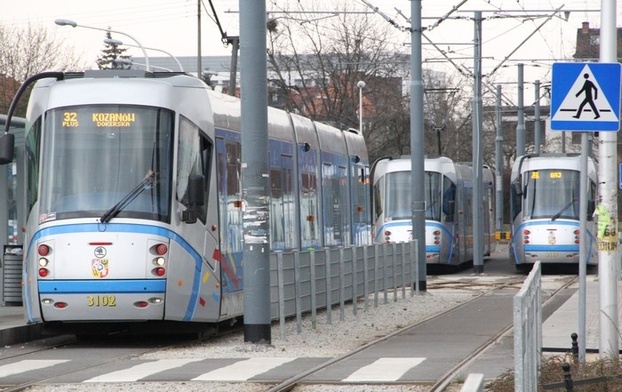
(146, 183)
(562, 210)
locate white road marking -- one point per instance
(141, 371)
(243, 370)
(384, 369)
(27, 365)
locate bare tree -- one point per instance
(25, 52)
(318, 59)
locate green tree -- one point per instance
(113, 56)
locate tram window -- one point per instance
(234, 152)
(195, 153)
(33, 149)
(449, 199)
(378, 199)
(516, 199)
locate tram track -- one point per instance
(482, 288)
(68, 341)
(458, 369)
(442, 383)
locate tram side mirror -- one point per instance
(196, 191)
(7, 146)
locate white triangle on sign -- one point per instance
(571, 103)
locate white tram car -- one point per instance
(448, 192)
(134, 197)
(544, 208)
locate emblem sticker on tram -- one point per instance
(100, 252)
(100, 268)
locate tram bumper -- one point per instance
(138, 300)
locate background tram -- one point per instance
(544, 208)
(448, 192)
(135, 209)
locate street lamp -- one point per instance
(130, 63)
(116, 42)
(67, 22)
(361, 85)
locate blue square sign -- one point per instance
(585, 97)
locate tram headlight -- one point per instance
(43, 262)
(159, 261)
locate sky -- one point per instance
(513, 31)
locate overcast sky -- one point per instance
(171, 25)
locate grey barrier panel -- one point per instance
(329, 300)
(12, 275)
(314, 300)
(303, 282)
(281, 296)
(528, 332)
(342, 285)
(299, 292)
(355, 280)
(376, 272)
(366, 277)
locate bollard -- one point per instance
(575, 346)
(567, 377)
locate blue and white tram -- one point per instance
(544, 208)
(135, 205)
(448, 192)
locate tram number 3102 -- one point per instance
(101, 300)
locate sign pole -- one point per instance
(608, 268)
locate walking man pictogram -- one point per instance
(587, 88)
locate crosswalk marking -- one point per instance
(141, 371)
(243, 370)
(384, 369)
(27, 365)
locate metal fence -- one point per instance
(308, 281)
(528, 332)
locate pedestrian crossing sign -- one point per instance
(585, 97)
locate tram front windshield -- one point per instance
(400, 195)
(552, 193)
(106, 159)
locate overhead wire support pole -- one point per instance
(499, 163)
(199, 55)
(478, 246)
(417, 142)
(255, 170)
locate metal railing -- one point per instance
(303, 282)
(528, 332)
